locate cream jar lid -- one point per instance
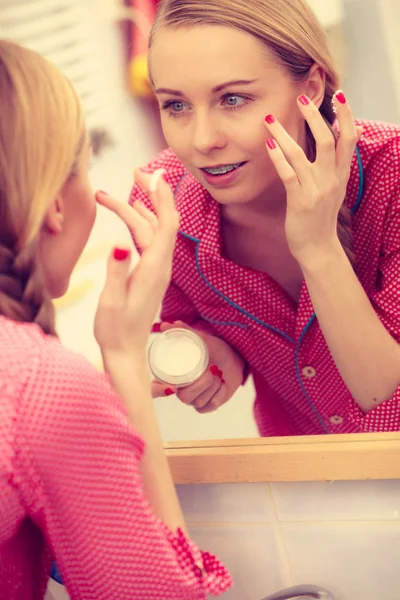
(178, 357)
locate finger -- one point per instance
(165, 326)
(149, 182)
(136, 223)
(189, 394)
(348, 133)
(324, 140)
(157, 258)
(293, 153)
(216, 401)
(160, 390)
(115, 287)
(144, 212)
(207, 396)
(167, 213)
(283, 168)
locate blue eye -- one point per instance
(174, 108)
(177, 106)
(233, 100)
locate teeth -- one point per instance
(222, 170)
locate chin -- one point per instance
(57, 289)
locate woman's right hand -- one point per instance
(218, 384)
(129, 302)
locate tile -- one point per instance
(227, 502)
(337, 500)
(355, 561)
(253, 555)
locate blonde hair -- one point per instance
(287, 27)
(41, 137)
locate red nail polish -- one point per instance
(222, 380)
(121, 253)
(168, 392)
(271, 143)
(340, 97)
(270, 119)
(214, 370)
(220, 374)
(303, 100)
(156, 328)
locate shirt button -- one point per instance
(336, 420)
(309, 372)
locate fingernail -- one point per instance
(216, 371)
(103, 192)
(270, 119)
(271, 143)
(169, 392)
(340, 97)
(121, 253)
(222, 380)
(303, 100)
(156, 328)
(155, 178)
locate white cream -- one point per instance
(178, 356)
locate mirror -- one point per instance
(368, 55)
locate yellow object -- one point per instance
(74, 294)
(139, 77)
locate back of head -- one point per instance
(41, 134)
(287, 27)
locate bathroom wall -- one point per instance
(343, 536)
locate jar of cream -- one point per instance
(178, 357)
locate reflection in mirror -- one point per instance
(294, 310)
(286, 262)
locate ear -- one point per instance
(54, 219)
(315, 84)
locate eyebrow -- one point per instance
(218, 88)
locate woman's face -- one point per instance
(67, 227)
(215, 85)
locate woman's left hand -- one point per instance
(315, 190)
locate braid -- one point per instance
(22, 293)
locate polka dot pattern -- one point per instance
(71, 490)
(283, 345)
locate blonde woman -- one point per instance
(288, 254)
(78, 482)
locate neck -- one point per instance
(271, 206)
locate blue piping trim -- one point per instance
(55, 574)
(259, 321)
(229, 323)
(179, 185)
(221, 295)
(361, 184)
(298, 375)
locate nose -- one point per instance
(208, 133)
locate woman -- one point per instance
(288, 256)
(78, 483)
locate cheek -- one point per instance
(175, 135)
